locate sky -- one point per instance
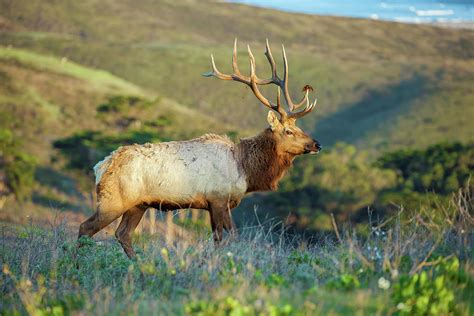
(423, 11)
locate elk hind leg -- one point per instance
(130, 221)
(106, 213)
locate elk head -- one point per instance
(290, 139)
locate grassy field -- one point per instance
(420, 266)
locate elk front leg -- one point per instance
(216, 213)
(130, 221)
(229, 224)
(221, 218)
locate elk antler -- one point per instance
(253, 82)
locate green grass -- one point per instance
(97, 78)
(414, 267)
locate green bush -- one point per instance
(233, 307)
(19, 166)
(441, 168)
(345, 282)
(120, 104)
(20, 174)
(429, 292)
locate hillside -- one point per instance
(44, 99)
(380, 85)
(81, 78)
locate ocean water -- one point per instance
(423, 11)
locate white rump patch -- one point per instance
(101, 167)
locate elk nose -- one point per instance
(317, 145)
(313, 147)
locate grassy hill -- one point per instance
(55, 93)
(44, 99)
(380, 85)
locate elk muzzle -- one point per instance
(313, 147)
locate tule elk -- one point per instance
(210, 172)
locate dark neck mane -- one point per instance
(261, 163)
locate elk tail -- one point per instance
(101, 167)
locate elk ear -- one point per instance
(273, 120)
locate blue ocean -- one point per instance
(424, 11)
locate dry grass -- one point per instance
(264, 271)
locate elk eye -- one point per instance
(288, 132)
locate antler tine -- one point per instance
(237, 76)
(235, 67)
(268, 53)
(253, 82)
(256, 91)
(215, 72)
(304, 100)
(279, 107)
(284, 85)
(306, 110)
(252, 63)
(285, 78)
